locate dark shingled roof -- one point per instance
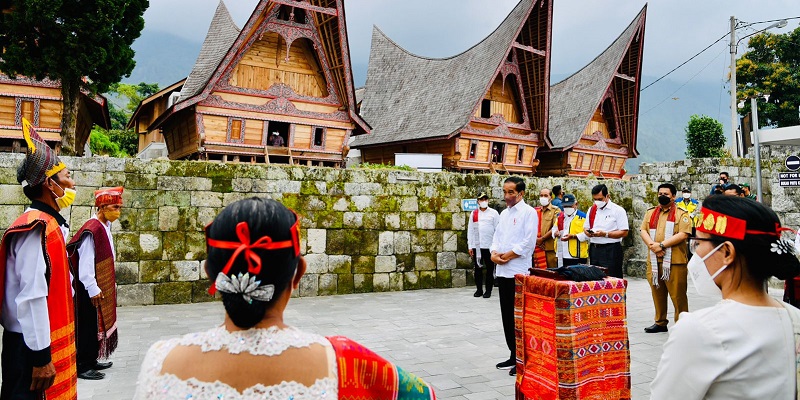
(409, 97)
(574, 100)
(221, 35)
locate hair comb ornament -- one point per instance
(253, 260)
(783, 246)
(248, 286)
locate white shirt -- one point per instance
(480, 234)
(797, 243)
(86, 264)
(562, 248)
(729, 351)
(609, 218)
(517, 230)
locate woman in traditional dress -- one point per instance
(254, 262)
(745, 347)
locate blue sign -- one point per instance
(469, 204)
(793, 163)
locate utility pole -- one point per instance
(735, 150)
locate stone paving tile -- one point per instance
(445, 336)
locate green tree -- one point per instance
(704, 137)
(100, 143)
(127, 140)
(772, 65)
(84, 45)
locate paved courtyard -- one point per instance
(445, 336)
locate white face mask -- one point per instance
(687, 195)
(483, 204)
(569, 211)
(544, 201)
(600, 203)
(702, 279)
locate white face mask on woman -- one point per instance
(702, 279)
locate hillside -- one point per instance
(163, 58)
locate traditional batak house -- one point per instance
(594, 113)
(151, 142)
(278, 90)
(483, 110)
(40, 103)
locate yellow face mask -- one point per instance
(67, 199)
(112, 216)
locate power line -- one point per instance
(685, 62)
(686, 83)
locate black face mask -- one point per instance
(664, 200)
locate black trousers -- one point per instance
(17, 368)
(488, 270)
(609, 256)
(86, 344)
(506, 289)
(574, 261)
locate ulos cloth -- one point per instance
(572, 339)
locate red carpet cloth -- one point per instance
(572, 339)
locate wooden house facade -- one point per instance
(151, 141)
(594, 113)
(278, 90)
(483, 110)
(40, 103)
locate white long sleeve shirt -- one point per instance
(480, 234)
(516, 231)
(609, 218)
(86, 263)
(562, 248)
(729, 351)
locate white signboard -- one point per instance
(420, 161)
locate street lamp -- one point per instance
(756, 141)
(736, 144)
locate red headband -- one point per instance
(718, 224)
(264, 243)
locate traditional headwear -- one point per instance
(108, 196)
(718, 224)
(40, 161)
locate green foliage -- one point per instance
(101, 144)
(85, 45)
(384, 166)
(772, 66)
(704, 137)
(126, 139)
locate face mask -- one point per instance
(544, 201)
(687, 195)
(483, 204)
(514, 201)
(569, 211)
(111, 216)
(600, 203)
(703, 281)
(664, 200)
(67, 199)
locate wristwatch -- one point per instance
(662, 245)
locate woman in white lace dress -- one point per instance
(254, 262)
(745, 347)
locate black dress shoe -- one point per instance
(103, 365)
(92, 375)
(655, 328)
(478, 293)
(486, 295)
(512, 371)
(507, 364)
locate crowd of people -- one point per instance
(59, 296)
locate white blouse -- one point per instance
(729, 351)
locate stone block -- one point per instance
(206, 199)
(408, 221)
(410, 280)
(313, 203)
(149, 246)
(392, 221)
(409, 204)
(173, 198)
(364, 264)
(173, 293)
(373, 220)
(402, 242)
(444, 279)
(328, 284)
(171, 183)
(242, 185)
(396, 282)
(366, 188)
(196, 184)
(153, 271)
(135, 198)
(427, 279)
(463, 261)
(203, 273)
(362, 283)
(195, 246)
(309, 285)
(340, 264)
(341, 204)
(426, 221)
(13, 195)
(386, 243)
(317, 263)
(9, 214)
(424, 261)
(147, 219)
(136, 295)
(385, 264)
(127, 273)
(127, 246)
(345, 284)
(200, 292)
(459, 278)
(185, 271)
(361, 203)
(141, 182)
(446, 260)
(316, 240)
(460, 221)
(86, 178)
(168, 218)
(381, 283)
(353, 219)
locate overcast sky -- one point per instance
(676, 29)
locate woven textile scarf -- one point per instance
(477, 228)
(107, 334)
(539, 255)
(669, 231)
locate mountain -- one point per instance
(163, 58)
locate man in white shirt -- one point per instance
(572, 245)
(512, 249)
(480, 231)
(606, 224)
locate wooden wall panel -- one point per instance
(504, 101)
(23, 90)
(8, 107)
(302, 137)
(216, 128)
(50, 114)
(253, 132)
(334, 139)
